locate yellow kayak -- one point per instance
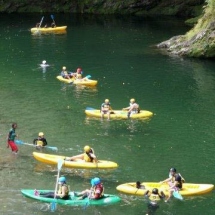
(187, 190)
(86, 82)
(53, 159)
(118, 114)
(49, 29)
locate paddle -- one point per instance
(20, 142)
(90, 108)
(52, 16)
(177, 195)
(53, 205)
(39, 25)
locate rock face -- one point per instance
(199, 41)
(136, 7)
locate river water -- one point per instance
(118, 52)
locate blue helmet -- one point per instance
(95, 181)
(62, 179)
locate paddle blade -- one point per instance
(52, 148)
(60, 164)
(90, 108)
(53, 206)
(88, 76)
(19, 142)
(177, 195)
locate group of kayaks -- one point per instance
(127, 188)
(189, 189)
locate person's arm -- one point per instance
(44, 142)
(166, 180)
(34, 141)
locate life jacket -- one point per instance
(136, 109)
(98, 187)
(60, 190)
(179, 183)
(154, 198)
(39, 143)
(87, 157)
(105, 106)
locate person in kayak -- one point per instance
(105, 108)
(95, 192)
(139, 186)
(11, 138)
(64, 73)
(78, 73)
(132, 108)
(87, 156)
(62, 193)
(40, 141)
(175, 182)
(153, 198)
(53, 25)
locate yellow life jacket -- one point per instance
(60, 189)
(154, 197)
(87, 158)
(39, 143)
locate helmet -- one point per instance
(40, 134)
(62, 179)
(87, 148)
(95, 181)
(155, 191)
(106, 100)
(172, 169)
(132, 100)
(44, 62)
(63, 68)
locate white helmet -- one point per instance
(44, 62)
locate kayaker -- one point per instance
(132, 108)
(64, 73)
(105, 108)
(175, 182)
(95, 192)
(53, 25)
(87, 156)
(40, 141)
(139, 186)
(62, 193)
(11, 138)
(154, 197)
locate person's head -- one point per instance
(62, 180)
(138, 184)
(155, 191)
(172, 171)
(64, 68)
(95, 181)
(106, 101)
(79, 70)
(132, 100)
(87, 149)
(14, 125)
(41, 134)
(44, 62)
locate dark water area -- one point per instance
(118, 52)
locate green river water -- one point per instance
(119, 53)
